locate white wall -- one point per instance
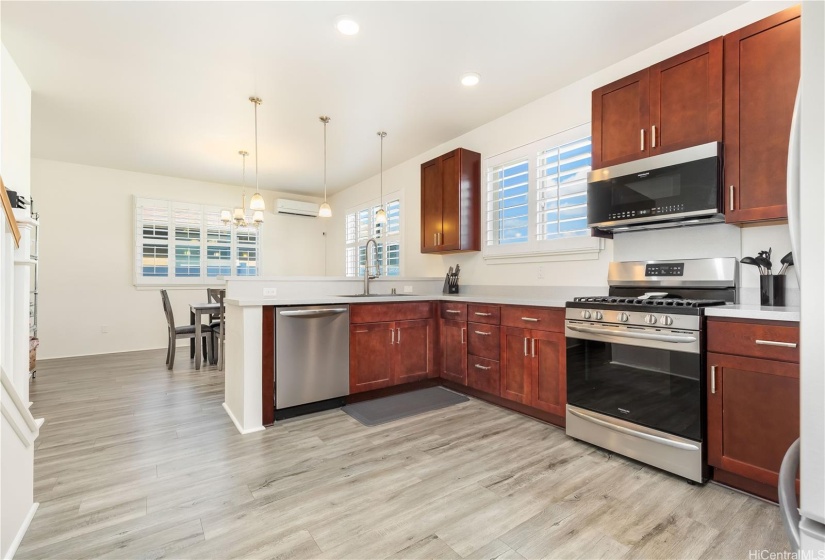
(15, 126)
(558, 111)
(86, 255)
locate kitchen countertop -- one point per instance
(341, 300)
(754, 312)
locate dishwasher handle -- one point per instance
(314, 313)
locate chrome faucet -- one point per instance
(376, 267)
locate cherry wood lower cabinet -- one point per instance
(534, 368)
(454, 351)
(516, 364)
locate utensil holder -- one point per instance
(450, 287)
(772, 290)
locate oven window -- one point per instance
(661, 389)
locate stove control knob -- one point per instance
(624, 317)
(585, 314)
(650, 319)
(667, 320)
(598, 315)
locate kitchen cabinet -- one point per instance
(454, 351)
(533, 368)
(387, 353)
(451, 202)
(484, 348)
(752, 401)
(516, 364)
(674, 104)
(762, 68)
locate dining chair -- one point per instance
(218, 325)
(187, 331)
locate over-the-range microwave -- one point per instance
(678, 188)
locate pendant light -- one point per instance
(325, 211)
(256, 203)
(381, 214)
(238, 215)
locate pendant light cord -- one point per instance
(382, 134)
(256, 103)
(326, 120)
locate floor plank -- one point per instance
(135, 461)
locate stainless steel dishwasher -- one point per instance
(311, 357)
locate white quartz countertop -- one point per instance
(340, 300)
(754, 312)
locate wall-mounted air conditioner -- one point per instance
(296, 207)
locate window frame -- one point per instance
(170, 280)
(579, 247)
(382, 240)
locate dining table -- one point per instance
(196, 310)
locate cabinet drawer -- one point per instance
(484, 340)
(483, 374)
(770, 340)
(387, 312)
(490, 314)
(454, 311)
(540, 318)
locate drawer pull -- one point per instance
(452, 311)
(480, 314)
(713, 380)
(775, 343)
(482, 333)
(485, 368)
(531, 319)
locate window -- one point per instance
(180, 243)
(536, 198)
(361, 226)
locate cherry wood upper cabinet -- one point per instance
(674, 104)
(451, 203)
(686, 99)
(621, 114)
(762, 67)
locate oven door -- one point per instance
(651, 377)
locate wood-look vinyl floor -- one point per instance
(138, 462)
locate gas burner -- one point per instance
(653, 302)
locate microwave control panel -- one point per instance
(665, 269)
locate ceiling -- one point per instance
(162, 87)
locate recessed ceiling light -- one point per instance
(470, 79)
(346, 25)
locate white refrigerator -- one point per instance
(806, 220)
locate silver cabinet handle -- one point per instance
(531, 319)
(452, 311)
(525, 346)
(485, 368)
(392, 336)
(314, 312)
(731, 198)
(435, 239)
(775, 343)
(628, 431)
(480, 314)
(713, 380)
(399, 336)
(462, 334)
(482, 333)
(653, 136)
(533, 347)
(642, 140)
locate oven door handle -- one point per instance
(634, 433)
(627, 334)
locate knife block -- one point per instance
(450, 288)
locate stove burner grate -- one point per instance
(653, 302)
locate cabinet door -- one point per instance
(686, 99)
(454, 351)
(414, 345)
(549, 376)
(450, 202)
(370, 356)
(621, 114)
(431, 205)
(753, 415)
(516, 365)
(761, 80)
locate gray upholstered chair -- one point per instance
(218, 324)
(187, 331)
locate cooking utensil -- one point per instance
(764, 263)
(751, 261)
(786, 261)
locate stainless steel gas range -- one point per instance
(635, 361)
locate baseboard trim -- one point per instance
(21, 532)
(238, 424)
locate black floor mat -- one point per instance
(388, 409)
